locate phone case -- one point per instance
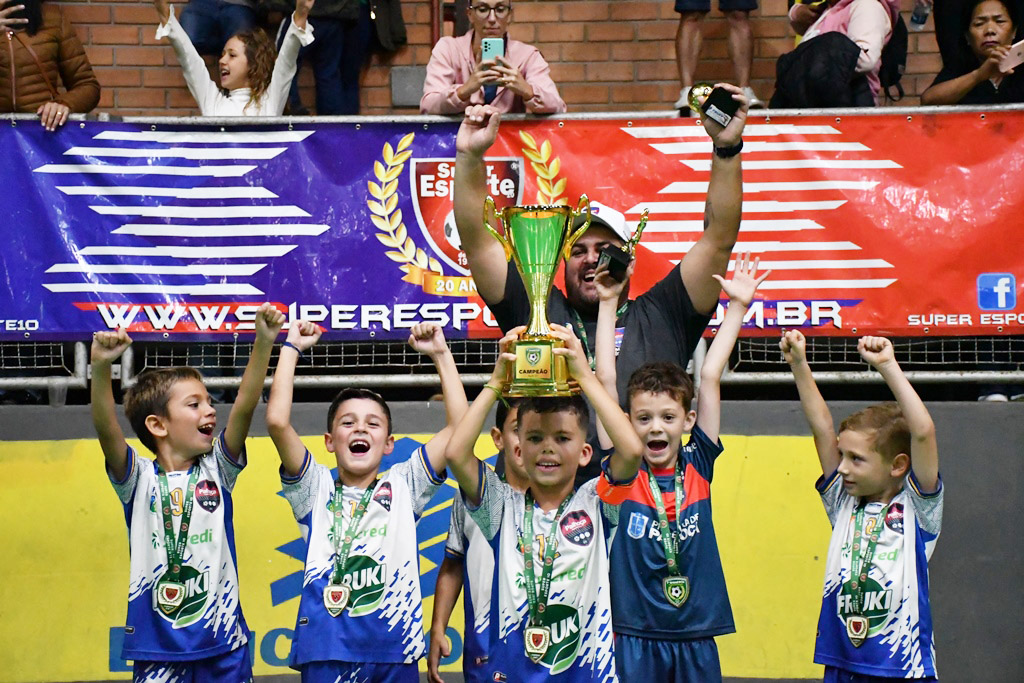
(490, 48)
(1014, 58)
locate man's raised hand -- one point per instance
(108, 346)
(479, 130)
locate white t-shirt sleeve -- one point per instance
(229, 467)
(197, 76)
(126, 487)
(455, 546)
(927, 509)
(868, 27)
(420, 477)
(300, 491)
(833, 495)
(494, 495)
(284, 66)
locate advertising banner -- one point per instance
(872, 224)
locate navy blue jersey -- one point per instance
(638, 566)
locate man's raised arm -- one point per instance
(722, 210)
(485, 254)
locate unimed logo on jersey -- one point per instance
(564, 622)
(368, 579)
(197, 591)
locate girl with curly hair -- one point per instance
(253, 80)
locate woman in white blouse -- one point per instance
(252, 81)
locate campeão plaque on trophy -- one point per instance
(537, 238)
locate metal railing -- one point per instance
(53, 366)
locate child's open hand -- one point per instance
(744, 282)
(793, 346)
(428, 339)
(304, 334)
(268, 322)
(877, 351)
(608, 288)
(505, 356)
(108, 346)
(573, 350)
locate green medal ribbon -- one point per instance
(342, 551)
(675, 585)
(582, 331)
(176, 546)
(538, 637)
(860, 562)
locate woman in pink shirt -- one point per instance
(518, 82)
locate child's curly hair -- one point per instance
(261, 54)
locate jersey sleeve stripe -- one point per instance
(425, 461)
(916, 486)
(228, 455)
(825, 483)
(307, 460)
(130, 455)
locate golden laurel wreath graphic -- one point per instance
(550, 189)
(386, 215)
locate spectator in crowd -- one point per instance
(210, 23)
(252, 82)
(43, 50)
(690, 34)
(457, 77)
(344, 33)
(973, 75)
(840, 55)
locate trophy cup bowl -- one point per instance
(537, 239)
(698, 93)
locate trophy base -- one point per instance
(538, 371)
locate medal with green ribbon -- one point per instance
(537, 635)
(860, 564)
(675, 585)
(336, 593)
(581, 331)
(170, 591)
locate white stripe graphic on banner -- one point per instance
(209, 269)
(774, 164)
(215, 171)
(695, 130)
(702, 187)
(196, 290)
(203, 211)
(246, 230)
(748, 207)
(240, 153)
(814, 264)
(756, 247)
(248, 251)
(756, 146)
(183, 137)
(239, 192)
(766, 225)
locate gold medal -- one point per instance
(538, 639)
(677, 589)
(857, 629)
(336, 598)
(169, 595)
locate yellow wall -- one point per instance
(63, 579)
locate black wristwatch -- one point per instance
(726, 152)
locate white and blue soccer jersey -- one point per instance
(209, 620)
(899, 640)
(467, 544)
(383, 622)
(579, 606)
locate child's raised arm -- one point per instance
(608, 291)
(106, 348)
(740, 290)
(924, 449)
(465, 466)
(268, 324)
(302, 335)
(428, 339)
(625, 460)
(794, 349)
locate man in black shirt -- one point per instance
(663, 324)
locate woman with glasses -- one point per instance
(457, 77)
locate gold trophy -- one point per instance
(538, 238)
(698, 93)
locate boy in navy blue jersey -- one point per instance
(668, 591)
(360, 614)
(184, 619)
(881, 489)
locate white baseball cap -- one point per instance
(608, 217)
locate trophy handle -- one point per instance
(578, 233)
(635, 239)
(491, 212)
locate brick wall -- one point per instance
(614, 55)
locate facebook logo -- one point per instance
(997, 292)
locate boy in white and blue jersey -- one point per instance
(550, 614)
(360, 613)
(669, 598)
(184, 621)
(468, 561)
(883, 495)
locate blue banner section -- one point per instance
(181, 232)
